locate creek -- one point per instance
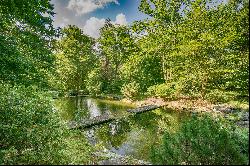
(131, 136)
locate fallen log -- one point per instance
(103, 119)
(144, 109)
(90, 122)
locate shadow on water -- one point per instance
(132, 135)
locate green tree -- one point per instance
(31, 131)
(116, 44)
(75, 58)
(198, 52)
(26, 35)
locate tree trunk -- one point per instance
(164, 70)
(203, 86)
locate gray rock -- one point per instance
(115, 159)
(224, 108)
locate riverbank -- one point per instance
(234, 111)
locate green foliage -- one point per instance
(143, 68)
(203, 140)
(93, 83)
(162, 90)
(221, 96)
(78, 151)
(31, 133)
(26, 36)
(164, 10)
(185, 50)
(131, 90)
(116, 44)
(195, 47)
(74, 59)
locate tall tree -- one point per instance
(116, 44)
(75, 58)
(25, 37)
(198, 51)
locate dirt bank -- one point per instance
(236, 112)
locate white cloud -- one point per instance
(64, 19)
(93, 24)
(86, 6)
(121, 19)
(64, 22)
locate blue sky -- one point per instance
(91, 14)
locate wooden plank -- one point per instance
(143, 109)
(101, 119)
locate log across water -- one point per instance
(90, 122)
(144, 109)
(103, 119)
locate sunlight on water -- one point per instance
(94, 110)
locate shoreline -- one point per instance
(236, 112)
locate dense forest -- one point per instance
(187, 49)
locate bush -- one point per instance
(217, 95)
(203, 140)
(130, 90)
(162, 90)
(32, 132)
(77, 151)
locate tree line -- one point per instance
(187, 49)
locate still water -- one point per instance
(132, 135)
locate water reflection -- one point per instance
(131, 135)
(93, 109)
(135, 135)
(80, 108)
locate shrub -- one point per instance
(162, 90)
(130, 90)
(31, 131)
(77, 151)
(217, 95)
(203, 140)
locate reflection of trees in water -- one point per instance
(147, 126)
(113, 134)
(101, 105)
(72, 109)
(67, 108)
(114, 109)
(118, 137)
(141, 143)
(117, 133)
(147, 120)
(81, 108)
(137, 132)
(104, 108)
(80, 102)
